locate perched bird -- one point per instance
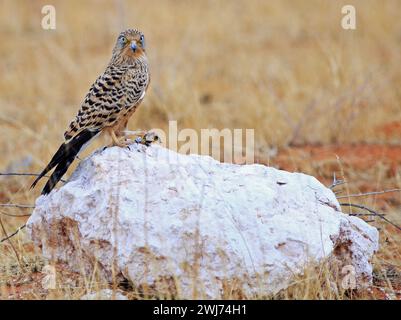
(107, 107)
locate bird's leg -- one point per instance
(120, 142)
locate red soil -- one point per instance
(358, 156)
(391, 130)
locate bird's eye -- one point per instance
(142, 40)
(122, 40)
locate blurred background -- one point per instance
(285, 68)
(322, 100)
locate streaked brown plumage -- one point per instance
(109, 104)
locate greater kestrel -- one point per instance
(107, 107)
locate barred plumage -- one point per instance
(109, 104)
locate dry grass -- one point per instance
(284, 68)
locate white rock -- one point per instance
(161, 215)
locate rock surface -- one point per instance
(165, 219)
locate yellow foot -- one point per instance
(121, 142)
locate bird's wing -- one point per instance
(112, 92)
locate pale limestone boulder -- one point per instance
(164, 218)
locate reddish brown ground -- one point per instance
(21, 287)
(391, 130)
(366, 167)
(359, 157)
(29, 285)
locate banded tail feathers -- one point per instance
(63, 158)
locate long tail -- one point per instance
(63, 158)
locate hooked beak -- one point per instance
(133, 46)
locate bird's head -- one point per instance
(130, 46)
